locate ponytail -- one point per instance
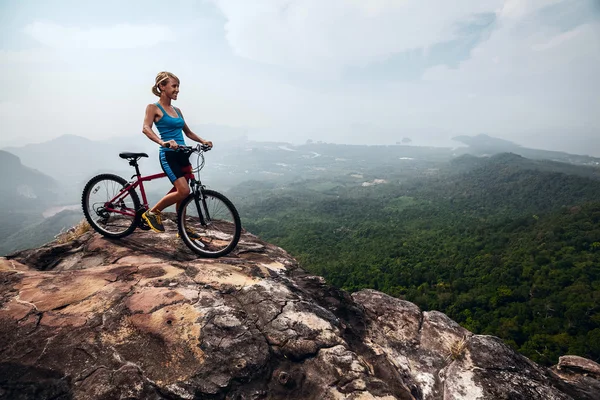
(162, 78)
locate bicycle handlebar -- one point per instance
(191, 149)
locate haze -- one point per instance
(342, 71)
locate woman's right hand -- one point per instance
(170, 144)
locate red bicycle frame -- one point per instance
(115, 201)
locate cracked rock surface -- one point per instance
(144, 318)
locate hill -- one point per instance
(39, 232)
(487, 145)
(21, 182)
(24, 194)
(71, 159)
(508, 184)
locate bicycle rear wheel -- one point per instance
(110, 214)
(210, 227)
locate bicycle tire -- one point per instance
(95, 214)
(222, 227)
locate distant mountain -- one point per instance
(71, 158)
(509, 184)
(487, 145)
(40, 232)
(24, 193)
(468, 162)
(485, 142)
(23, 186)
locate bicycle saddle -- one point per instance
(128, 155)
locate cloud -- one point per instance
(531, 80)
(534, 83)
(314, 34)
(525, 50)
(559, 39)
(13, 58)
(527, 70)
(121, 36)
(517, 9)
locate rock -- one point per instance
(144, 318)
(580, 372)
(578, 365)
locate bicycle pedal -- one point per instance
(143, 226)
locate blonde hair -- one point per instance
(162, 79)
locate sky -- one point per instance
(338, 71)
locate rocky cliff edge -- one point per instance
(144, 318)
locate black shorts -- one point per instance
(175, 164)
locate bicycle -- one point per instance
(112, 207)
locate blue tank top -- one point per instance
(170, 128)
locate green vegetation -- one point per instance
(42, 231)
(505, 246)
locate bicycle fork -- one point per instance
(202, 210)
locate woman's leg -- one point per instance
(187, 170)
(173, 190)
(180, 192)
(171, 165)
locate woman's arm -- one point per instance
(188, 132)
(151, 110)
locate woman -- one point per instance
(171, 126)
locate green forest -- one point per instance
(504, 245)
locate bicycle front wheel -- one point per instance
(110, 210)
(209, 226)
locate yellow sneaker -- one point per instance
(154, 220)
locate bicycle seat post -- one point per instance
(133, 163)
